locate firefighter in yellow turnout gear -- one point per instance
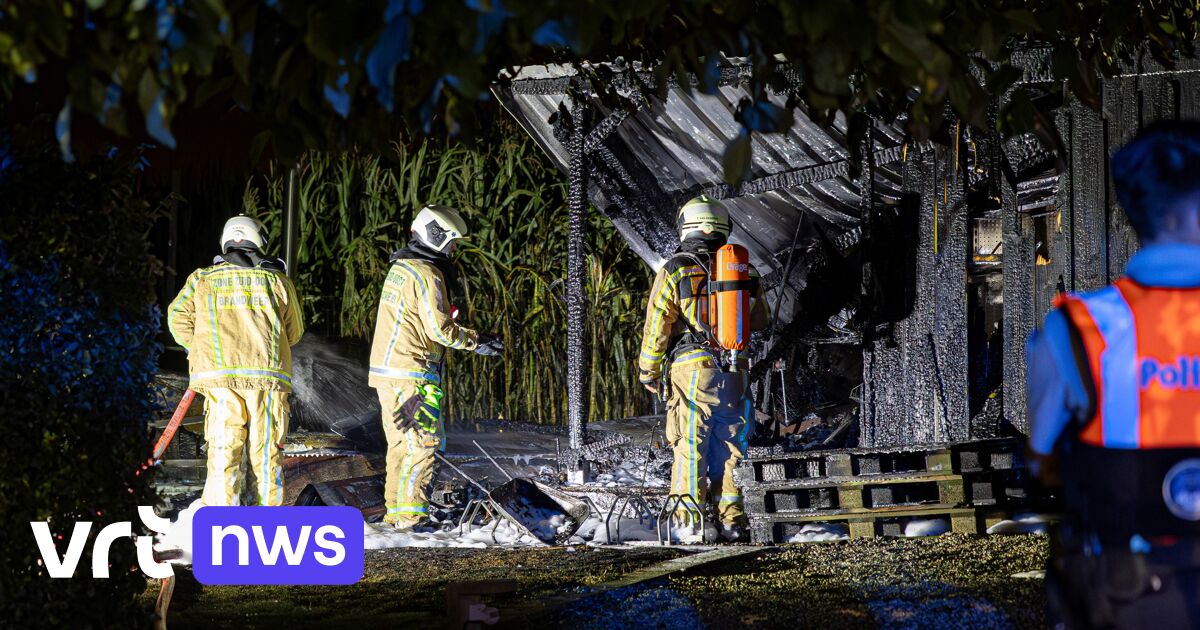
(238, 320)
(709, 405)
(412, 331)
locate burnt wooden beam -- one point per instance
(605, 128)
(1122, 120)
(866, 213)
(1019, 311)
(577, 350)
(1088, 197)
(788, 179)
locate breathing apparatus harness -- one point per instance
(722, 328)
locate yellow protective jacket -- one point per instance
(413, 326)
(677, 305)
(238, 325)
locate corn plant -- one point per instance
(355, 209)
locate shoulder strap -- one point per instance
(674, 264)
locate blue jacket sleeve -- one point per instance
(1056, 394)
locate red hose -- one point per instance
(169, 433)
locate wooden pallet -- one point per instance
(976, 489)
(868, 523)
(876, 490)
(776, 464)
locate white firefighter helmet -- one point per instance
(703, 217)
(438, 226)
(242, 231)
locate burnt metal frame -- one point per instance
(670, 513)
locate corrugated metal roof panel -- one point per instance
(674, 147)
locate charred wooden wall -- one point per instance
(915, 369)
(917, 387)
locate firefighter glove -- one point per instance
(422, 411)
(489, 345)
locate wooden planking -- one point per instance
(1087, 243)
(1033, 276)
(859, 481)
(870, 488)
(1089, 183)
(915, 374)
(1122, 120)
(1019, 315)
(1053, 275)
(950, 315)
(772, 465)
(1189, 95)
(890, 511)
(1063, 249)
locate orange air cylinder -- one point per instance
(729, 300)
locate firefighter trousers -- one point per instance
(244, 429)
(410, 457)
(709, 420)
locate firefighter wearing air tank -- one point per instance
(1114, 391)
(238, 321)
(414, 328)
(704, 304)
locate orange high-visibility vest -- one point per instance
(1142, 348)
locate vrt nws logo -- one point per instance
(64, 567)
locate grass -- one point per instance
(400, 588)
(355, 209)
(952, 580)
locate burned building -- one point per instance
(906, 283)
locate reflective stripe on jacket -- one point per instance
(238, 325)
(413, 325)
(1141, 346)
(675, 307)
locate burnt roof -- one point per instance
(670, 149)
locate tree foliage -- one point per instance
(329, 75)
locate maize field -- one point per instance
(355, 209)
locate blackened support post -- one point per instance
(291, 226)
(866, 208)
(577, 198)
(1020, 311)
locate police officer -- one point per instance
(238, 320)
(1114, 391)
(709, 409)
(413, 329)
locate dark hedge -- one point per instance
(77, 362)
